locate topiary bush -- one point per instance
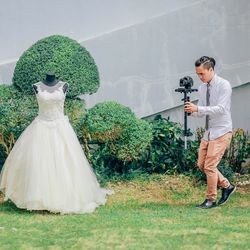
(120, 134)
(70, 61)
(133, 142)
(106, 121)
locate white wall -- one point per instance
(23, 22)
(142, 47)
(141, 65)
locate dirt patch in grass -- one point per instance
(174, 190)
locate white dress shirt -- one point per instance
(219, 111)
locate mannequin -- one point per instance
(47, 168)
(51, 81)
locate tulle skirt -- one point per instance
(48, 170)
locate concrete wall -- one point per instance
(142, 48)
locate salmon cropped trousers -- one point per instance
(210, 154)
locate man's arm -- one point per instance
(193, 109)
(201, 110)
(224, 100)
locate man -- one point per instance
(214, 103)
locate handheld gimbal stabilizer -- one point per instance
(186, 84)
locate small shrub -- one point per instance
(106, 121)
(121, 137)
(166, 151)
(239, 150)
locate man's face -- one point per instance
(204, 74)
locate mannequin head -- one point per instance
(50, 79)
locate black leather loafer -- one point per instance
(207, 204)
(225, 193)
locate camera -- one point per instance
(186, 82)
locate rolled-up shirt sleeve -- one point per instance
(198, 113)
(199, 103)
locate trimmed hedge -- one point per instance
(70, 61)
(106, 121)
(125, 136)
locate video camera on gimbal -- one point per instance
(186, 84)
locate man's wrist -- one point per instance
(201, 109)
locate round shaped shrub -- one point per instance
(115, 125)
(106, 121)
(65, 57)
(134, 140)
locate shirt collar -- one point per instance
(213, 81)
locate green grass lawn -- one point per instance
(154, 213)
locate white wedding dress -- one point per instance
(47, 168)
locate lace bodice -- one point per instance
(51, 103)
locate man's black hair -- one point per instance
(206, 61)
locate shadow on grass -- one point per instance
(10, 207)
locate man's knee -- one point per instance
(210, 170)
(200, 164)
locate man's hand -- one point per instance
(189, 107)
